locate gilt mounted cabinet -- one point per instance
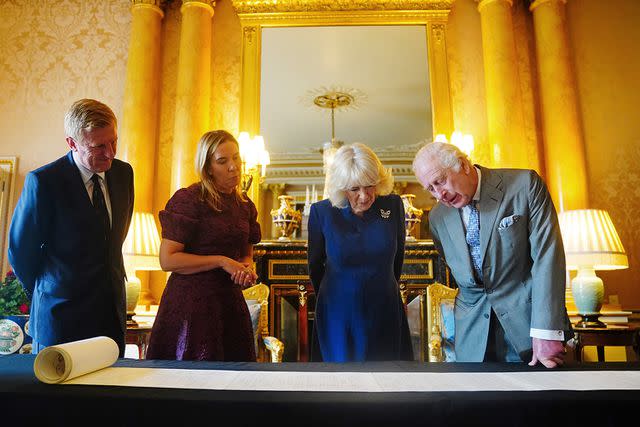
(283, 267)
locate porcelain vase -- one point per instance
(286, 218)
(14, 335)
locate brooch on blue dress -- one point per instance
(385, 214)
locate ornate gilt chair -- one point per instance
(257, 298)
(440, 322)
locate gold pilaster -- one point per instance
(439, 78)
(563, 140)
(505, 116)
(193, 89)
(250, 83)
(254, 192)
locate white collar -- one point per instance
(476, 195)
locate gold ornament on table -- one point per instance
(286, 218)
(412, 215)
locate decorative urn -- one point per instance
(286, 218)
(412, 215)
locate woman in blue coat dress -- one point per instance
(356, 250)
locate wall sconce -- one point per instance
(254, 156)
(590, 243)
(140, 251)
(464, 141)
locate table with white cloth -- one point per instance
(153, 392)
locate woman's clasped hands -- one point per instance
(241, 274)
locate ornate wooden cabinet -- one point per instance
(283, 267)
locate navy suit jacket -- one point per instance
(58, 251)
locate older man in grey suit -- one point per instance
(497, 230)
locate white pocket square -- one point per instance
(508, 221)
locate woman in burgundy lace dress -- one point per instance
(208, 232)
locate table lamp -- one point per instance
(140, 251)
(590, 243)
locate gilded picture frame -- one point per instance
(8, 168)
(257, 15)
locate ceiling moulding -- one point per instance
(282, 6)
(295, 175)
(306, 168)
(398, 153)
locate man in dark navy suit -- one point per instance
(67, 231)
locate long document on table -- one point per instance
(88, 362)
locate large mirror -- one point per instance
(392, 53)
(350, 83)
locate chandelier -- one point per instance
(334, 98)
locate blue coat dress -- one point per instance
(355, 264)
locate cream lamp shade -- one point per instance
(590, 243)
(140, 250)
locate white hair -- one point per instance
(448, 156)
(356, 165)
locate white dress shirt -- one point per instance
(88, 184)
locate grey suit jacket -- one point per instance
(523, 264)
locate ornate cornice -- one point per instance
(280, 6)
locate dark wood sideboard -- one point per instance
(282, 265)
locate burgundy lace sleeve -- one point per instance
(179, 217)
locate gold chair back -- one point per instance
(260, 293)
(438, 293)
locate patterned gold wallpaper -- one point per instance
(605, 39)
(52, 53)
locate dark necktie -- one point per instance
(473, 240)
(100, 206)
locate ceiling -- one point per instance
(387, 64)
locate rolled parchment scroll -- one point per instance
(63, 362)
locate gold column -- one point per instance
(139, 130)
(193, 89)
(505, 117)
(140, 112)
(563, 142)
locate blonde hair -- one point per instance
(207, 145)
(356, 165)
(87, 114)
